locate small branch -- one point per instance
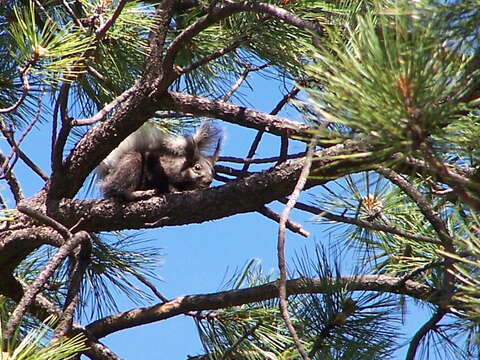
(282, 282)
(152, 287)
(16, 144)
(8, 136)
(25, 89)
(199, 106)
(12, 181)
(417, 338)
(291, 94)
(424, 205)
(72, 14)
(217, 14)
(41, 280)
(100, 116)
(363, 223)
(240, 80)
(296, 228)
(252, 151)
(80, 260)
(62, 230)
(258, 160)
(213, 56)
(100, 33)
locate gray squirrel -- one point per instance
(151, 159)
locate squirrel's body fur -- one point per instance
(151, 159)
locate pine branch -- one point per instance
(422, 332)
(364, 223)
(41, 280)
(296, 228)
(224, 299)
(12, 180)
(42, 308)
(282, 267)
(425, 206)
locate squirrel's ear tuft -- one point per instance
(208, 137)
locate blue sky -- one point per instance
(197, 258)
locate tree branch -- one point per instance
(235, 197)
(282, 266)
(40, 281)
(225, 299)
(217, 14)
(363, 223)
(428, 326)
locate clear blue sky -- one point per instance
(198, 257)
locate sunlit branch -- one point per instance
(100, 115)
(282, 266)
(225, 299)
(296, 228)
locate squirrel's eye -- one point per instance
(197, 167)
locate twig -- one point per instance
(62, 230)
(363, 223)
(291, 94)
(296, 228)
(282, 282)
(152, 287)
(12, 181)
(100, 33)
(25, 89)
(241, 79)
(417, 338)
(11, 141)
(258, 160)
(72, 14)
(213, 56)
(41, 280)
(284, 139)
(16, 146)
(80, 260)
(99, 116)
(252, 150)
(424, 205)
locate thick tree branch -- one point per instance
(245, 195)
(217, 14)
(225, 299)
(199, 106)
